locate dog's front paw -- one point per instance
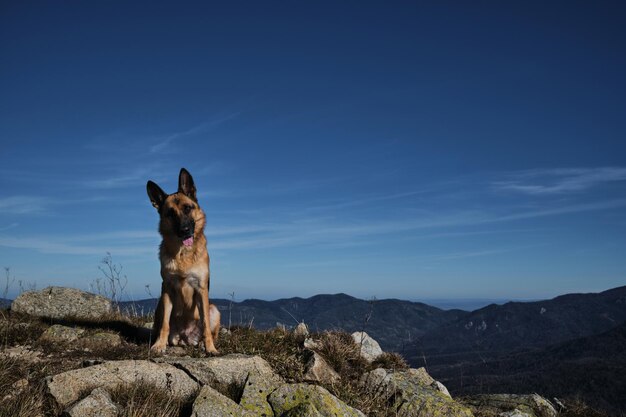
(159, 347)
(210, 348)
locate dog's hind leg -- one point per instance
(214, 321)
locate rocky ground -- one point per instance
(67, 352)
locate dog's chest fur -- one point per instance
(180, 273)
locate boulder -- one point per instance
(60, 303)
(255, 393)
(370, 349)
(61, 334)
(96, 404)
(210, 403)
(531, 405)
(318, 370)
(413, 393)
(67, 387)
(223, 370)
(304, 400)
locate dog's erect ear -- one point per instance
(156, 194)
(186, 185)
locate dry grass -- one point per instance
(22, 392)
(390, 360)
(143, 400)
(19, 329)
(281, 349)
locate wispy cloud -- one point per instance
(9, 227)
(121, 178)
(560, 181)
(81, 244)
(303, 232)
(22, 204)
(321, 232)
(165, 142)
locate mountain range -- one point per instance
(570, 345)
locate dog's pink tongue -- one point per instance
(188, 241)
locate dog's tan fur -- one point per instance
(183, 311)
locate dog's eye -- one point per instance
(170, 213)
(187, 209)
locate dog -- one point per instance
(183, 315)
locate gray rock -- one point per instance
(223, 370)
(96, 404)
(318, 370)
(67, 387)
(532, 405)
(310, 343)
(61, 334)
(307, 401)
(59, 303)
(301, 330)
(210, 403)
(370, 349)
(413, 393)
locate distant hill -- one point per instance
(394, 323)
(499, 329)
(592, 367)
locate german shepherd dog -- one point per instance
(183, 315)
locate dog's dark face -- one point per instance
(181, 216)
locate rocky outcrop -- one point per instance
(68, 387)
(262, 394)
(237, 384)
(60, 303)
(370, 349)
(512, 405)
(414, 393)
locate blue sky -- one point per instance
(409, 150)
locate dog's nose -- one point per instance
(186, 229)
